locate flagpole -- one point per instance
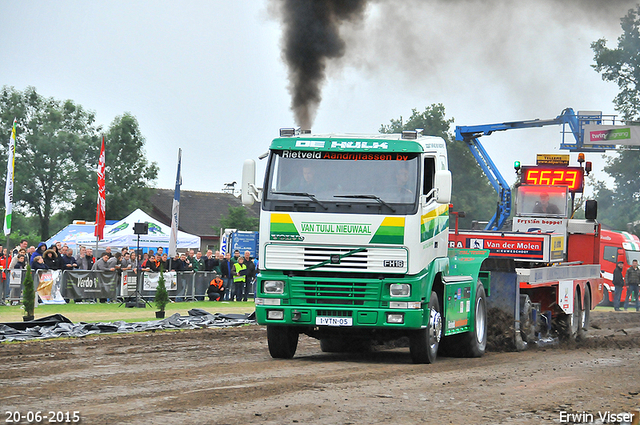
(175, 209)
(8, 193)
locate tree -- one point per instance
(238, 219)
(28, 293)
(57, 149)
(622, 66)
(471, 191)
(128, 174)
(162, 296)
(51, 141)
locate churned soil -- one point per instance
(226, 376)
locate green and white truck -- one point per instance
(354, 246)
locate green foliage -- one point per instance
(57, 150)
(28, 293)
(622, 64)
(238, 219)
(471, 191)
(162, 296)
(51, 140)
(127, 172)
(619, 206)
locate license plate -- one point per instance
(334, 321)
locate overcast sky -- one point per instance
(208, 76)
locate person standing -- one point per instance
(103, 264)
(251, 274)
(197, 263)
(23, 245)
(4, 276)
(618, 283)
(42, 247)
(239, 278)
(226, 271)
(217, 260)
(633, 280)
(68, 260)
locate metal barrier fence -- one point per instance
(56, 286)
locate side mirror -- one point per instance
(591, 209)
(250, 193)
(443, 186)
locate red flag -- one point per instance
(100, 211)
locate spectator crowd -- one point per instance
(233, 277)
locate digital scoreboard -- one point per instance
(572, 177)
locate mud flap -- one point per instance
(505, 296)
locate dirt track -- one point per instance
(225, 376)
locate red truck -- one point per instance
(548, 261)
(616, 246)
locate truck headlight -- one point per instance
(400, 290)
(395, 318)
(275, 314)
(273, 286)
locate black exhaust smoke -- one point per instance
(311, 37)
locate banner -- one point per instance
(608, 136)
(16, 277)
(150, 282)
(49, 286)
(90, 284)
(8, 192)
(100, 210)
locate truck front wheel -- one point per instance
(423, 343)
(283, 341)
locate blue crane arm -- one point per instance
(471, 134)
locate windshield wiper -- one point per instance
(308, 195)
(366, 197)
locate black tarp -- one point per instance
(59, 326)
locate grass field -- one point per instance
(111, 312)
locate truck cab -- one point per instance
(616, 246)
(354, 244)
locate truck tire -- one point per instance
(527, 326)
(566, 328)
(423, 343)
(283, 341)
(586, 315)
(470, 344)
(606, 300)
(474, 343)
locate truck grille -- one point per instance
(318, 258)
(361, 293)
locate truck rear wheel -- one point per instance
(423, 343)
(568, 326)
(606, 299)
(474, 343)
(586, 314)
(283, 341)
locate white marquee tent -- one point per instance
(121, 234)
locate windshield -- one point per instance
(361, 182)
(633, 255)
(542, 201)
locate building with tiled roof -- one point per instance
(200, 212)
